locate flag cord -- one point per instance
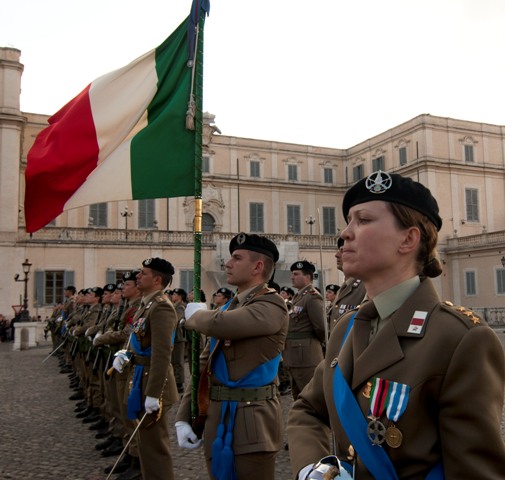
(190, 113)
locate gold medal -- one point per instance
(393, 437)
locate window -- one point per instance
(186, 280)
(402, 155)
(254, 169)
(146, 213)
(294, 219)
(471, 288)
(357, 173)
(50, 286)
(378, 163)
(472, 204)
(256, 217)
(293, 172)
(114, 276)
(205, 164)
(329, 224)
(328, 175)
(208, 222)
(98, 215)
(500, 281)
(469, 154)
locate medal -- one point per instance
(376, 430)
(393, 436)
(398, 399)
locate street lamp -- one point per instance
(503, 261)
(310, 221)
(25, 317)
(125, 215)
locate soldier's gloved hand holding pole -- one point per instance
(327, 468)
(151, 404)
(186, 437)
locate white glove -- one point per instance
(192, 308)
(186, 437)
(304, 472)
(120, 360)
(329, 467)
(95, 339)
(151, 405)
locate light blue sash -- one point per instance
(223, 462)
(135, 396)
(351, 417)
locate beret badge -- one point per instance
(378, 182)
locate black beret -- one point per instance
(70, 287)
(288, 290)
(159, 264)
(304, 266)
(168, 292)
(96, 290)
(334, 288)
(119, 286)
(130, 275)
(180, 291)
(225, 291)
(395, 189)
(110, 287)
(255, 243)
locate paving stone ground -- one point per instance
(40, 438)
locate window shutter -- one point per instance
(39, 294)
(110, 275)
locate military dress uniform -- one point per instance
(350, 295)
(153, 325)
(303, 350)
(252, 331)
(451, 368)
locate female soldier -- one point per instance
(411, 387)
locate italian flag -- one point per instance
(123, 137)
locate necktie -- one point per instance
(362, 327)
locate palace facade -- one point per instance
(291, 193)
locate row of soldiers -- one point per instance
(92, 325)
(89, 327)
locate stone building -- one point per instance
(290, 192)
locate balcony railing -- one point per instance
(481, 240)
(107, 236)
(494, 316)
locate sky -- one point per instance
(328, 73)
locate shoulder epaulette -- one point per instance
(463, 312)
(160, 299)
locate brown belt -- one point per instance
(139, 360)
(221, 393)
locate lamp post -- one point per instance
(126, 214)
(503, 261)
(310, 221)
(25, 317)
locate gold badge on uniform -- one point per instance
(367, 390)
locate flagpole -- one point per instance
(198, 84)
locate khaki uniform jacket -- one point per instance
(88, 319)
(120, 336)
(179, 332)
(349, 296)
(256, 331)
(153, 325)
(456, 371)
(306, 317)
